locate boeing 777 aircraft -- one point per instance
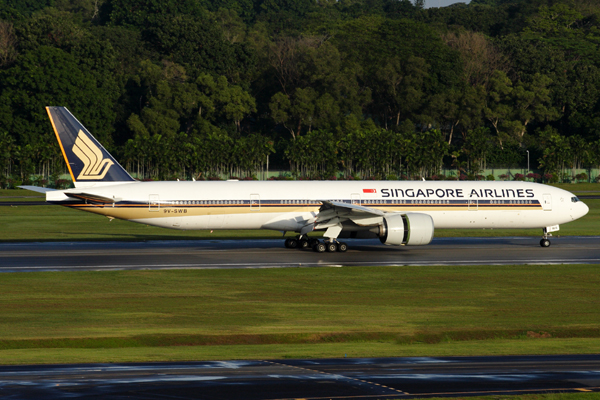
(396, 212)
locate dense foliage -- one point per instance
(352, 88)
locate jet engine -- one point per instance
(413, 229)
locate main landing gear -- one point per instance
(330, 247)
(304, 242)
(300, 242)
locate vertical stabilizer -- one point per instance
(87, 160)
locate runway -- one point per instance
(210, 254)
(381, 378)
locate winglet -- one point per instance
(86, 159)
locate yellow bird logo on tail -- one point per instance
(94, 165)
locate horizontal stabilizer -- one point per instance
(93, 197)
(37, 189)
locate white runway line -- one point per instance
(300, 265)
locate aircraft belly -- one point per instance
(288, 221)
(490, 219)
(274, 221)
(220, 221)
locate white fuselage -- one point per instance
(288, 205)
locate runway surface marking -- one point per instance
(260, 254)
(315, 379)
(343, 377)
(297, 265)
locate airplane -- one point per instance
(396, 212)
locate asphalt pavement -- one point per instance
(377, 378)
(271, 253)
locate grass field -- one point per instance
(279, 313)
(287, 313)
(579, 188)
(546, 396)
(41, 223)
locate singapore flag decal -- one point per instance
(369, 190)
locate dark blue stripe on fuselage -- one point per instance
(315, 203)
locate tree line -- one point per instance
(351, 89)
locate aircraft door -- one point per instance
(153, 203)
(473, 204)
(547, 202)
(255, 202)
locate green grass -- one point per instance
(325, 312)
(583, 188)
(295, 313)
(543, 396)
(41, 223)
(297, 351)
(20, 195)
(55, 223)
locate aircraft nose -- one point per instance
(584, 209)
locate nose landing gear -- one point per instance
(545, 242)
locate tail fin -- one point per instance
(88, 162)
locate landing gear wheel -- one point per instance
(291, 243)
(545, 243)
(342, 247)
(319, 247)
(331, 247)
(313, 242)
(303, 244)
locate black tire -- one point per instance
(331, 247)
(319, 247)
(313, 242)
(342, 247)
(287, 243)
(293, 243)
(303, 244)
(545, 243)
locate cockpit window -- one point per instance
(574, 199)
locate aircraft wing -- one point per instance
(333, 214)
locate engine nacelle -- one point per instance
(406, 229)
